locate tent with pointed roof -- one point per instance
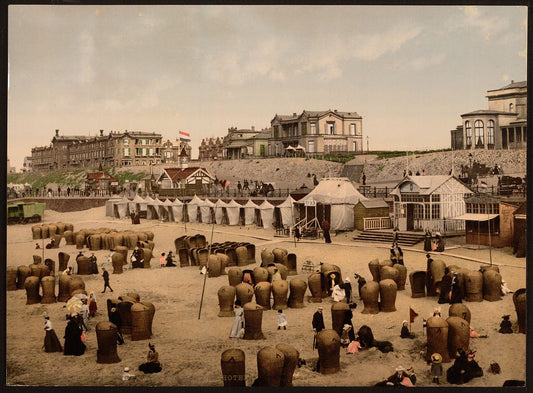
(340, 194)
(165, 210)
(284, 212)
(266, 212)
(110, 205)
(121, 208)
(177, 210)
(220, 216)
(152, 209)
(138, 204)
(249, 212)
(206, 211)
(192, 208)
(232, 210)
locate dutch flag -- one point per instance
(184, 136)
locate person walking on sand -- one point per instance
(93, 307)
(282, 320)
(51, 342)
(105, 275)
(237, 329)
(326, 227)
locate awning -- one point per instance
(476, 217)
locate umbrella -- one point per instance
(73, 305)
(81, 296)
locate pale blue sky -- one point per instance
(409, 71)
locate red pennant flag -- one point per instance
(412, 315)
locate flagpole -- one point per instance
(206, 272)
(409, 318)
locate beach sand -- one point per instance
(190, 344)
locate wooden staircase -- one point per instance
(404, 238)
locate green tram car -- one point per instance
(24, 212)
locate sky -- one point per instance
(409, 71)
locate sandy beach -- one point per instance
(190, 344)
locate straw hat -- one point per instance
(126, 369)
(436, 358)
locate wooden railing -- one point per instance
(377, 223)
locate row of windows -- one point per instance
(479, 134)
(483, 208)
(142, 141)
(329, 129)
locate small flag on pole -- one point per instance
(412, 315)
(184, 136)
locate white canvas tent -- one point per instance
(233, 210)
(109, 206)
(152, 211)
(137, 204)
(220, 217)
(165, 210)
(266, 210)
(341, 195)
(249, 212)
(192, 208)
(285, 210)
(177, 210)
(206, 211)
(121, 208)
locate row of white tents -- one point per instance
(205, 211)
(339, 194)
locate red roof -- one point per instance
(177, 174)
(100, 176)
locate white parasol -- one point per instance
(74, 305)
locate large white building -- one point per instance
(502, 126)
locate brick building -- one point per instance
(116, 149)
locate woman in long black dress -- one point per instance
(73, 343)
(51, 342)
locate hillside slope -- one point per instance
(293, 172)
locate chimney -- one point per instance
(294, 114)
(253, 128)
(57, 132)
(335, 110)
(101, 132)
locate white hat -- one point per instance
(400, 368)
(126, 369)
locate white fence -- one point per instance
(377, 223)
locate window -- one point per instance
(518, 134)
(478, 133)
(126, 141)
(352, 129)
(304, 128)
(468, 129)
(330, 128)
(435, 210)
(276, 131)
(313, 129)
(311, 147)
(511, 107)
(354, 144)
(490, 132)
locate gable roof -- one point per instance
(428, 183)
(178, 174)
(100, 176)
(512, 85)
